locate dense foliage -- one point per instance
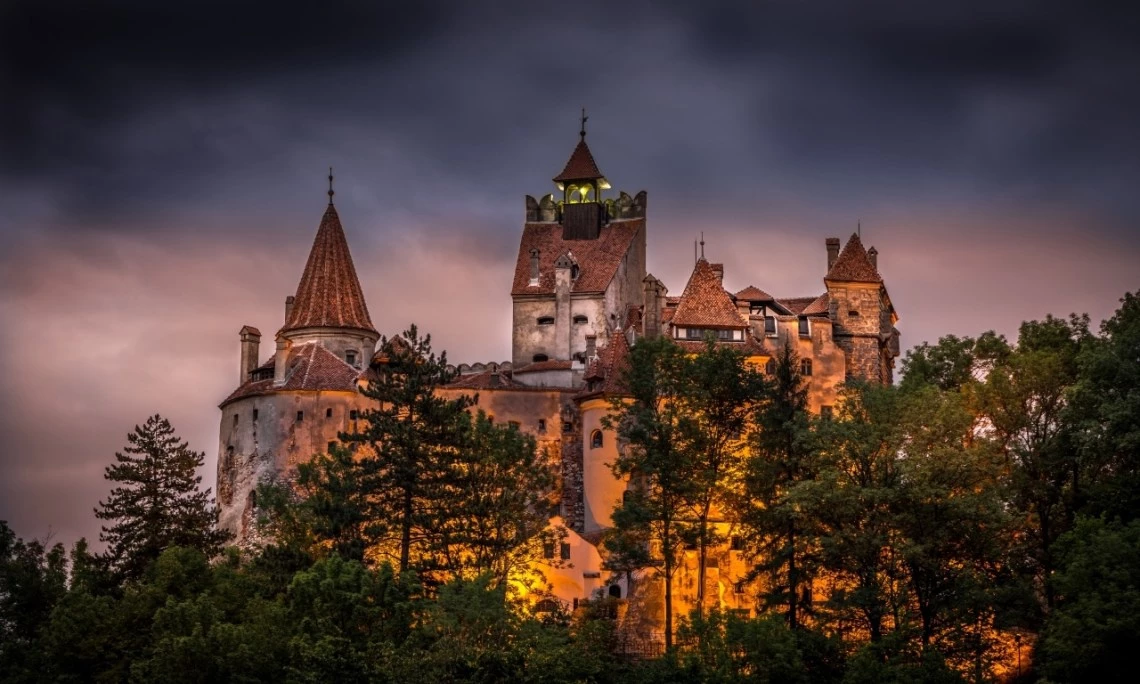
(977, 522)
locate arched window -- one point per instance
(546, 320)
(615, 591)
(574, 271)
(805, 367)
(580, 320)
(253, 500)
(596, 439)
(538, 358)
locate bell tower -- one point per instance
(581, 184)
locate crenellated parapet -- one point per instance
(550, 210)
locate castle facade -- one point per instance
(581, 298)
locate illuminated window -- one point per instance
(539, 358)
(596, 439)
(546, 320)
(805, 367)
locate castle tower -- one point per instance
(861, 312)
(295, 404)
(581, 263)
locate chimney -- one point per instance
(288, 307)
(591, 347)
(651, 309)
(873, 255)
(281, 359)
(534, 267)
(250, 344)
(718, 269)
(832, 252)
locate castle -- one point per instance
(581, 297)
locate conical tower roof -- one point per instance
(853, 264)
(581, 165)
(705, 303)
(329, 294)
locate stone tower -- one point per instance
(861, 312)
(294, 404)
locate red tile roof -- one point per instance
(580, 166)
(753, 294)
(853, 265)
(609, 368)
(598, 260)
(485, 381)
(819, 307)
(704, 303)
(552, 364)
(311, 368)
(796, 305)
(329, 294)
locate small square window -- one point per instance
(352, 415)
(548, 550)
(328, 413)
(737, 543)
(542, 425)
(567, 426)
(565, 551)
(300, 416)
(332, 445)
(350, 358)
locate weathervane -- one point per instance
(331, 193)
(584, 119)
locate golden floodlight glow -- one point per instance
(604, 184)
(560, 186)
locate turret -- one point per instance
(581, 184)
(250, 344)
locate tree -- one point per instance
(412, 435)
(646, 421)
(32, 581)
(782, 455)
(157, 502)
(494, 503)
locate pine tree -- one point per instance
(157, 502)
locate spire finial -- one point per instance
(585, 118)
(331, 193)
(702, 244)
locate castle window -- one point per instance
(615, 591)
(565, 551)
(853, 314)
(539, 358)
(352, 415)
(805, 330)
(300, 416)
(596, 439)
(229, 455)
(546, 320)
(548, 550)
(235, 420)
(580, 320)
(755, 309)
(567, 426)
(826, 412)
(328, 413)
(736, 543)
(574, 271)
(350, 358)
(738, 588)
(805, 367)
(769, 325)
(332, 445)
(255, 415)
(770, 367)
(253, 500)
(542, 425)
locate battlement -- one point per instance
(550, 210)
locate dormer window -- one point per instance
(350, 358)
(546, 320)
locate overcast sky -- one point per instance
(162, 174)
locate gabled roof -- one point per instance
(754, 294)
(310, 367)
(598, 260)
(796, 305)
(329, 294)
(704, 303)
(819, 307)
(853, 264)
(580, 166)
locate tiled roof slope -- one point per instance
(819, 307)
(704, 303)
(311, 367)
(610, 367)
(753, 294)
(598, 260)
(797, 305)
(329, 294)
(580, 166)
(853, 265)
